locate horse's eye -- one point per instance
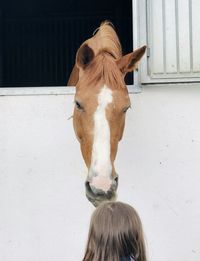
(78, 105)
(126, 109)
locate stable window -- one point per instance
(39, 38)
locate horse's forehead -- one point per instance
(103, 95)
(108, 95)
(98, 92)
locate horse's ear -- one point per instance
(130, 62)
(74, 76)
(84, 56)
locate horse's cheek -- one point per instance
(77, 126)
(121, 128)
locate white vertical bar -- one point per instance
(177, 36)
(157, 36)
(170, 35)
(190, 31)
(196, 34)
(143, 39)
(135, 35)
(164, 35)
(184, 35)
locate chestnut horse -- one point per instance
(101, 102)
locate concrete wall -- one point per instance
(44, 215)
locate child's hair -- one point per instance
(115, 232)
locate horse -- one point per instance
(101, 102)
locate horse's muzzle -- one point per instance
(97, 196)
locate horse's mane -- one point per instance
(103, 70)
(107, 49)
(105, 39)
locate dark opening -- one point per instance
(39, 38)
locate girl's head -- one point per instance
(115, 232)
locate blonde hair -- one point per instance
(115, 232)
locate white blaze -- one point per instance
(101, 166)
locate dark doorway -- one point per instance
(39, 38)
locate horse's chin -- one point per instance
(96, 200)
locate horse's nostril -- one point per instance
(87, 184)
(92, 190)
(114, 184)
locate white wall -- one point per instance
(44, 214)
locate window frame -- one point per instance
(70, 90)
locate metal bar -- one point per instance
(164, 36)
(191, 36)
(1, 48)
(177, 37)
(135, 11)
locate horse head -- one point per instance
(101, 103)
